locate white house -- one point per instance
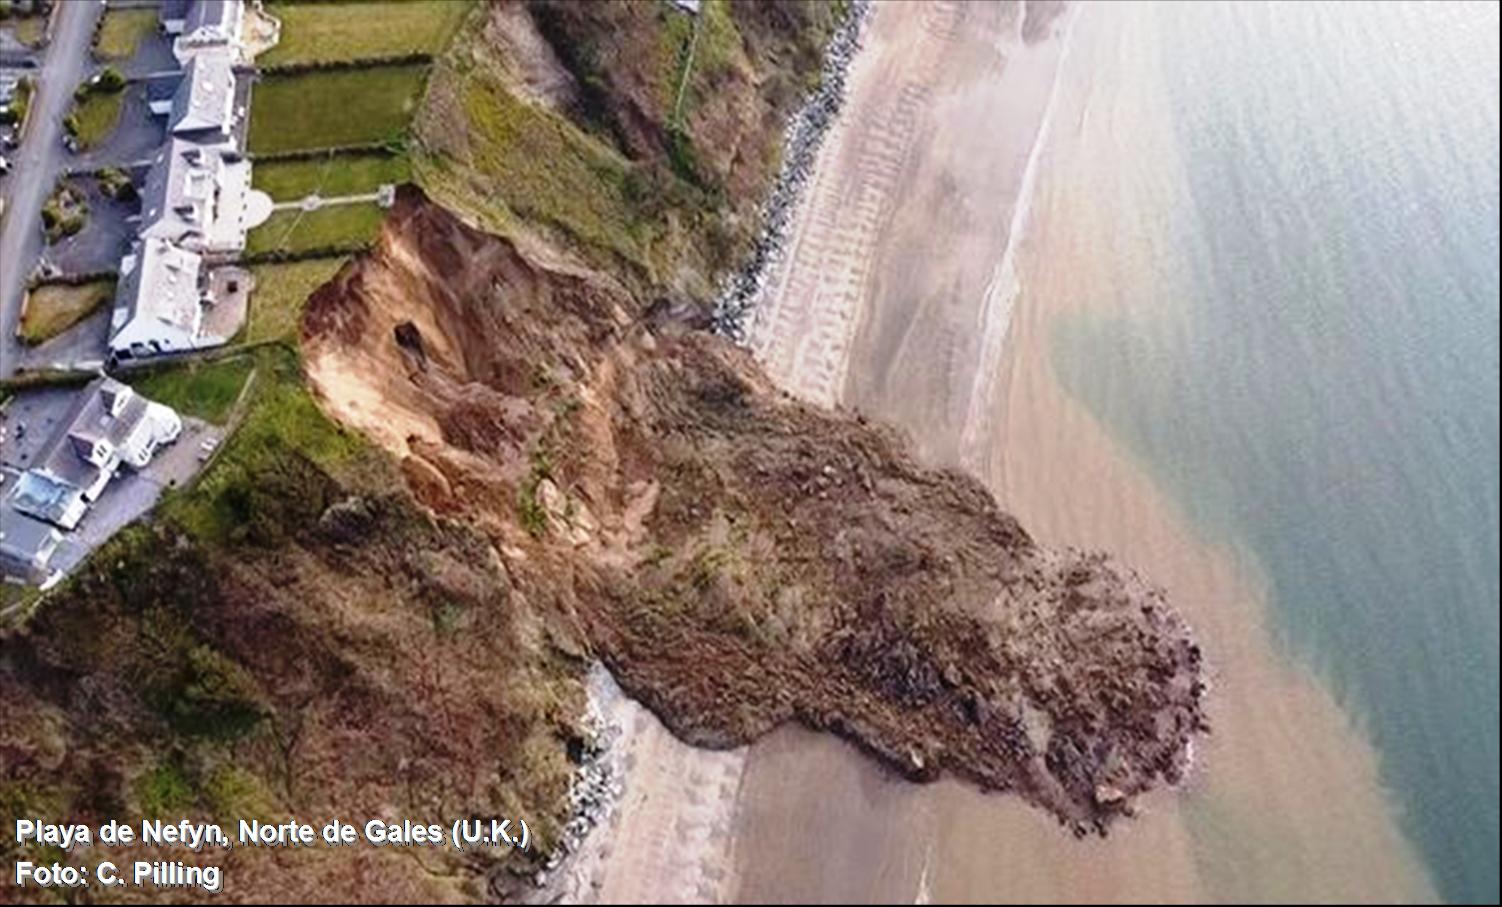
(210, 24)
(198, 197)
(158, 305)
(108, 425)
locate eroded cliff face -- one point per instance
(737, 558)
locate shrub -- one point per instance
(109, 80)
(115, 183)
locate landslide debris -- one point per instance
(740, 559)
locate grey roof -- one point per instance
(163, 89)
(163, 284)
(174, 9)
(218, 14)
(178, 199)
(205, 97)
(23, 540)
(91, 418)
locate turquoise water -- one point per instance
(1326, 392)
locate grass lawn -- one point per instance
(302, 111)
(28, 29)
(207, 390)
(53, 308)
(96, 116)
(342, 227)
(282, 429)
(123, 31)
(341, 174)
(323, 32)
(281, 289)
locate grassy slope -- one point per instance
(277, 300)
(663, 203)
(542, 169)
(204, 390)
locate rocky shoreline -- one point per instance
(802, 139)
(598, 781)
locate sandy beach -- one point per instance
(902, 295)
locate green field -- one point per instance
(258, 467)
(281, 289)
(330, 177)
(346, 228)
(122, 32)
(326, 32)
(303, 111)
(206, 390)
(53, 308)
(96, 117)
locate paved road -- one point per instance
(38, 162)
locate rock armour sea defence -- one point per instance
(737, 558)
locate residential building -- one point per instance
(158, 305)
(108, 426)
(26, 545)
(202, 105)
(210, 25)
(195, 197)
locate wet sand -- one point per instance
(890, 302)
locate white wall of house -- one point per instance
(148, 336)
(161, 426)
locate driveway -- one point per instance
(133, 142)
(101, 243)
(29, 421)
(38, 162)
(152, 56)
(131, 494)
(82, 347)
